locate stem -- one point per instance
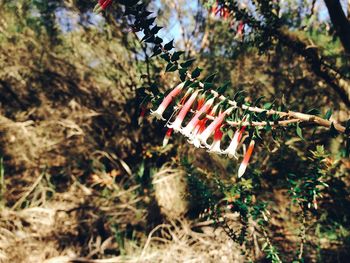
(293, 115)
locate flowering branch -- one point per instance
(204, 110)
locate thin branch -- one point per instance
(292, 115)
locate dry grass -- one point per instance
(65, 228)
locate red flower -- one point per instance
(102, 5)
(177, 124)
(167, 136)
(246, 158)
(166, 101)
(215, 147)
(142, 114)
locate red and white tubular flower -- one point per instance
(188, 130)
(232, 148)
(199, 129)
(166, 101)
(142, 115)
(176, 125)
(167, 137)
(246, 158)
(203, 137)
(102, 5)
(215, 147)
(193, 139)
(184, 98)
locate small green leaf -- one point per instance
(268, 105)
(268, 126)
(333, 131)
(187, 63)
(183, 74)
(211, 77)
(313, 111)
(328, 114)
(258, 100)
(176, 55)
(166, 57)
(223, 88)
(194, 84)
(257, 133)
(299, 131)
(196, 73)
(158, 41)
(169, 46)
(171, 67)
(155, 29)
(208, 85)
(230, 134)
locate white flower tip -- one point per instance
(175, 126)
(165, 142)
(231, 156)
(157, 115)
(241, 171)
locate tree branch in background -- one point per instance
(323, 70)
(340, 22)
(339, 84)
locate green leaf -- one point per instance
(258, 100)
(257, 133)
(224, 87)
(268, 126)
(171, 67)
(230, 134)
(211, 77)
(328, 114)
(176, 55)
(194, 84)
(187, 63)
(299, 131)
(333, 131)
(268, 105)
(187, 83)
(313, 111)
(155, 29)
(169, 46)
(156, 52)
(183, 74)
(196, 73)
(166, 57)
(208, 85)
(158, 41)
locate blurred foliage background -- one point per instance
(81, 179)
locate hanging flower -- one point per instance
(246, 158)
(232, 148)
(176, 125)
(142, 115)
(166, 101)
(212, 127)
(201, 101)
(215, 147)
(187, 131)
(184, 98)
(240, 31)
(193, 138)
(102, 5)
(200, 128)
(167, 137)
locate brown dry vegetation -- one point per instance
(81, 181)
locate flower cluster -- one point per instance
(200, 117)
(221, 10)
